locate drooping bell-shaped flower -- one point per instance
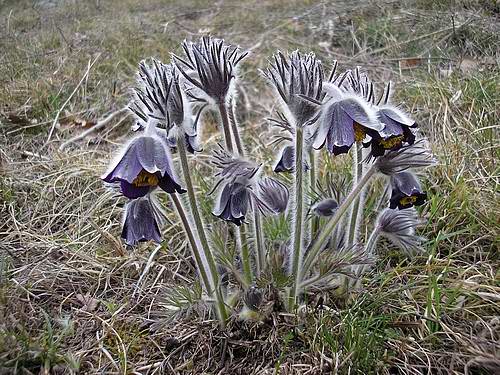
(233, 203)
(345, 119)
(397, 131)
(397, 125)
(274, 194)
(142, 220)
(210, 66)
(144, 164)
(325, 207)
(406, 191)
(298, 80)
(286, 161)
(399, 227)
(237, 195)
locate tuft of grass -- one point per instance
(357, 339)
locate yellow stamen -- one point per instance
(359, 132)
(408, 200)
(389, 143)
(144, 178)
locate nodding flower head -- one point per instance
(325, 207)
(417, 155)
(345, 119)
(274, 194)
(160, 100)
(397, 131)
(144, 164)
(397, 127)
(298, 79)
(234, 202)
(286, 162)
(210, 66)
(142, 221)
(406, 191)
(236, 196)
(399, 227)
(231, 167)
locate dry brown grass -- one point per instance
(73, 299)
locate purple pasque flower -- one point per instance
(286, 161)
(406, 191)
(274, 194)
(345, 118)
(298, 80)
(144, 164)
(210, 66)
(237, 195)
(142, 219)
(233, 203)
(325, 208)
(397, 130)
(399, 227)
(397, 124)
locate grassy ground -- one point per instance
(72, 300)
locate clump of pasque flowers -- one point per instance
(275, 234)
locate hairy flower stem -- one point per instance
(259, 241)
(192, 241)
(327, 230)
(357, 206)
(312, 176)
(225, 126)
(245, 255)
(229, 117)
(234, 128)
(258, 233)
(221, 307)
(369, 247)
(372, 241)
(299, 219)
